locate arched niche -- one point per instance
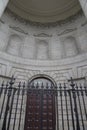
(42, 78)
(4, 36)
(56, 49)
(42, 97)
(82, 39)
(29, 46)
(70, 46)
(42, 49)
(14, 45)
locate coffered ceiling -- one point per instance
(44, 11)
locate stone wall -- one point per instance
(59, 52)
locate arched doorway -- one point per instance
(40, 107)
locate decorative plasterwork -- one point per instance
(19, 30)
(67, 31)
(42, 35)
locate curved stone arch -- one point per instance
(14, 45)
(70, 45)
(42, 76)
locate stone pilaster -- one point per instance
(83, 4)
(3, 4)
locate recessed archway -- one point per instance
(40, 107)
(42, 76)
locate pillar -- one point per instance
(3, 4)
(83, 4)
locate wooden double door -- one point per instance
(40, 111)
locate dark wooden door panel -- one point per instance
(40, 111)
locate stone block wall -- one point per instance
(59, 52)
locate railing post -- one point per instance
(7, 104)
(75, 105)
(1, 91)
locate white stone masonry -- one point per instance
(83, 4)
(3, 4)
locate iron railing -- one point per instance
(70, 105)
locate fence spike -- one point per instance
(19, 86)
(47, 85)
(72, 83)
(37, 85)
(12, 80)
(51, 86)
(1, 88)
(42, 86)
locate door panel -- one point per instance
(40, 111)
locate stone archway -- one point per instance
(40, 108)
(37, 76)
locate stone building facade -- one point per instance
(57, 51)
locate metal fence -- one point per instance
(68, 108)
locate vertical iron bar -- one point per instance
(23, 92)
(47, 110)
(61, 92)
(85, 89)
(5, 91)
(41, 108)
(80, 107)
(10, 111)
(6, 111)
(85, 95)
(54, 92)
(7, 104)
(18, 93)
(76, 111)
(82, 94)
(57, 110)
(1, 88)
(71, 105)
(65, 94)
(75, 104)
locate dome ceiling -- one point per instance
(44, 11)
